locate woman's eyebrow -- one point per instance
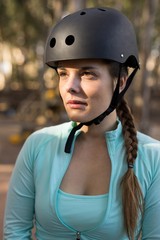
(88, 67)
(61, 68)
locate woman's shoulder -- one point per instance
(51, 131)
(48, 134)
(147, 165)
(44, 141)
(149, 149)
(147, 141)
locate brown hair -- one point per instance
(132, 197)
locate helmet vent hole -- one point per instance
(69, 40)
(82, 13)
(52, 42)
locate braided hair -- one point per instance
(132, 197)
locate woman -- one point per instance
(94, 177)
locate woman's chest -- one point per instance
(88, 172)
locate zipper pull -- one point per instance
(78, 236)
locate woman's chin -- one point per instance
(78, 119)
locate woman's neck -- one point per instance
(108, 124)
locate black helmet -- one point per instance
(93, 33)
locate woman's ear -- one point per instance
(123, 81)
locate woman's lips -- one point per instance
(76, 104)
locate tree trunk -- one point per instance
(75, 5)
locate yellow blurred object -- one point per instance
(19, 138)
(49, 94)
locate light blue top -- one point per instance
(81, 213)
(36, 179)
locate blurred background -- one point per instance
(29, 98)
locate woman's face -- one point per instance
(86, 88)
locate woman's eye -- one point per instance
(89, 75)
(62, 74)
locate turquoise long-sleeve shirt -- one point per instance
(39, 170)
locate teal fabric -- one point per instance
(81, 213)
(39, 170)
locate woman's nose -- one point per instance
(73, 84)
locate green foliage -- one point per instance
(23, 23)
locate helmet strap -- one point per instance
(116, 98)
